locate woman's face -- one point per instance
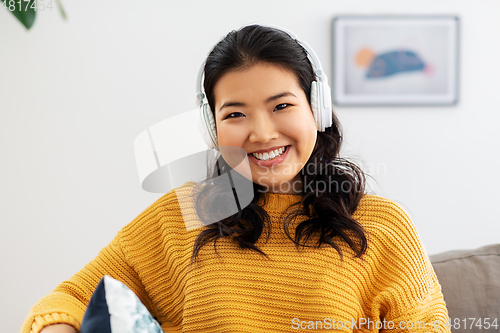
(263, 110)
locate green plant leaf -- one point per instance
(61, 9)
(25, 12)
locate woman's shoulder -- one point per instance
(375, 206)
(168, 210)
(175, 200)
(376, 202)
(385, 219)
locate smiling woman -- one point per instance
(263, 110)
(310, 248)
(262, 91)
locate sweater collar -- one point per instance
(277, 201)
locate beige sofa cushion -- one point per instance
(470, 281)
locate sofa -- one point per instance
(470, 282)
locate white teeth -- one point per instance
(269, 155)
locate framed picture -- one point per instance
(395, 60)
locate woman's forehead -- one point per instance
(260, 81)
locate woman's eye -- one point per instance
(281, 106)
(234, 115)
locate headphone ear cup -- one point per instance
(315, 107)
(210, 124)
(327, 113)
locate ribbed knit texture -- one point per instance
(239, 290)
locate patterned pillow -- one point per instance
(114, 308)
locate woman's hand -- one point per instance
(58, 328)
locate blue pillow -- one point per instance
(114, 308)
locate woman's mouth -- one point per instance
(270, 158)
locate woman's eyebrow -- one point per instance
(228, 104)
(284, 94)
(270, 99)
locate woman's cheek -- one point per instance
(301, 128)
(229, 136)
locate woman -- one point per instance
(311, 251)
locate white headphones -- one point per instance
(321, 100)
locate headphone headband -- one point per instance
(313, 58)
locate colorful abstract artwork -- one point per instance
(395, 60)
(391, 63)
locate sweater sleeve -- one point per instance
(409, 297)
(67, 303)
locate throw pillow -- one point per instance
(114, 308)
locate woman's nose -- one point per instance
(263, 129)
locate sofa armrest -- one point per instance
(470, 282)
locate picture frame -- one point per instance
(395, 60)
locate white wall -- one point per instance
(74, 95)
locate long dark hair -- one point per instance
(331, 217)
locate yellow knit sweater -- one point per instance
(392, 288)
